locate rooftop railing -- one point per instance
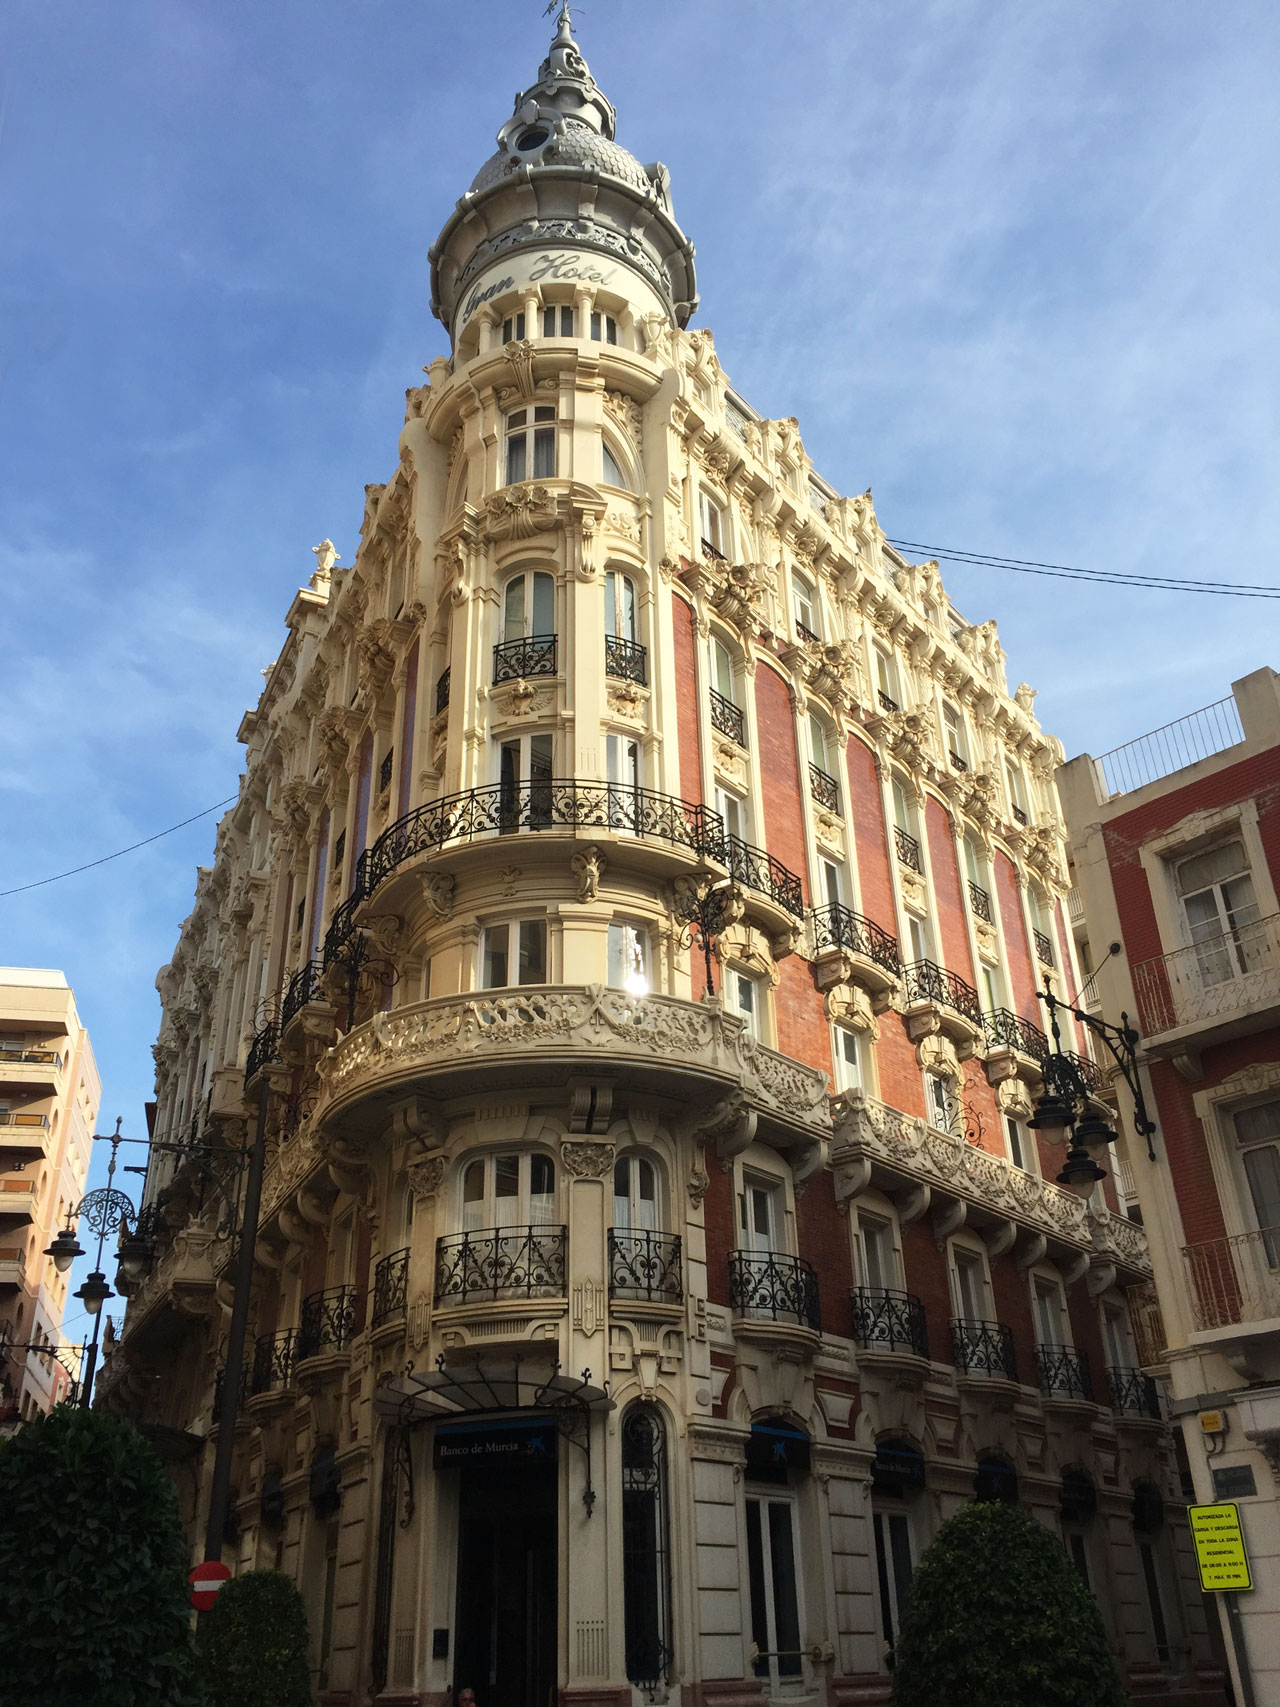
(1171, 748)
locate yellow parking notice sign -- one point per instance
(1220, 1549)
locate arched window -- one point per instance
(612, 468)
(646, 1551)
(635, 1193)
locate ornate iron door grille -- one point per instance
(272, 1366)
(984, 1348)
(501, 1262)
(840, 927)
(728, 718)
(390, 1283)
(1133, 1394)
(928, 982)
(884, 1320)
(908, 850)
(515, 660)
(326, 1321)
(627, 660)
(825, 789)
(1065, 1371)
(645, 1265)
(774, 1284)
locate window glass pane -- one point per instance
(1213, 867)
(496, 938)
(610, 330)
(818, 743)
(628, 630)
(900, 1553)
(613, 475)
(1255, 1125)
(506, 1177)
(513, 610)
(566, 322)
(542, 1177)
(849, 1059)
(545, 412)
(473, 1183)
(548, 323)
(759, 1597)
(544, 453)
(544, 604)
(722, 669)
(831, 881)
(516, 459)
(533, 951)
(786, 1611)
(595, 327)
(611, 602)
(1017, 1148)
(1262, 1170)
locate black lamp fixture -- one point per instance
(133, 1253)
(64, 1250)
(95, 1292)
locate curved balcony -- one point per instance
(1005, 1030)
(390, 1288)
(1133, 1394)
(931, 989)
(885, 1320)
(983, 1348)
(501, 1262)
(1063, 1372)
(303, 987)
(461, 1044)
(550, 804)
(848, 948)
(644, 1265)
(776, 1287)
(271, 1368)
(516, 660)
(625, 660)
(326, 1323)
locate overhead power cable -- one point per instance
(120, 852)
(1110, 577)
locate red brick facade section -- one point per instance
(1022, 976)
(865, 806)
(720, 1221)
(1086, 1334)
(925, 1273)
(780, 770)
(949, 919)
(1012, 1306)
(823, 1234)
(683, 634)
(801, 1020)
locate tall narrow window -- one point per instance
(408, 719)
(619, 606)
(628, 954)
(531, 444)
(612, 469)
(850, 1059)
(317, 886)
(364, 787)
(957, 741)
(514, 953)
(1221, 910)
(771, 1570)
(508, 1191)
(969, 1283)
(893, 1570)
(513, 328)
(529, 606)
(525, 776)
(742, 997)
(1017, 790)
(722, 673)
(711, 523)
(646, 1561)
(806, 608)
(877, 1253)
(604, 327)
(635, 1193)
(560, 317)
(1050, 1314)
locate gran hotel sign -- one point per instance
(555, 266)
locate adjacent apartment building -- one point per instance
(49, 1095)
(1175, 845)
(632, 917)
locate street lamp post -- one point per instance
(1065, 1105)
(104, 1210)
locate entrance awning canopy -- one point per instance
(487, 1386)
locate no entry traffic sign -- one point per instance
(205, 1582)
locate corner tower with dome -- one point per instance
(630, 925)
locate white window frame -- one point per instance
(536, 586)
(622, 604)
(712, 520)
(634, 1162)
(804, 603)
(956, 731)
(850, 1075)
(534, 428)
(531, 1208)
(882, 1223)
(558, 320)
(515, 929)
(1026, 1143)
(735, 981)
(962, 1253)
(1041, 1283)
(609, 455)
(764, 1496)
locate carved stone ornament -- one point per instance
(699, 1181)
(519, 512)
(586, 1161)
(426, 1178)
(587, 867)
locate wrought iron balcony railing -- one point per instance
(712, 551)
(908, 851)
(728, 718)
(559, 803)
(840, 927)
(442, 691)
(304, 987)
(390, 1287)
(501, 1262)
(626, 660)
(1044, 948)
(1235, 1279)
(884, 1320)
(384, 770)
(644, 1264)
(775, 1285)
(980, 901)
(926, 981)
(1064, 1371)
(1005, 1030)
(886, 703)
(1133, 1394)
(1234, 973)
(271, 1368)
(515, 660)
(825, 789)
(1019, 816)
(957, 763)
(758, 870)
(983, 1348)
(326, 1322)
(806, 634)
(264, 1049)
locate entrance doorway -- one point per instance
(505, 1621)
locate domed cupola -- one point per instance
(562, 199)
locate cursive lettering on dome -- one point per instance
(569, 266)
(480, 296)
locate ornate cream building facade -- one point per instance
(632, 914)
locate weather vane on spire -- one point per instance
(566, 11)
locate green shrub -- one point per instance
(93, 1568)
(255, 1644)
(999, 1617)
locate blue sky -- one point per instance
(1011, 266)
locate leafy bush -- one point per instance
(999, 1617)
(93, 1568)
(255, 1644)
